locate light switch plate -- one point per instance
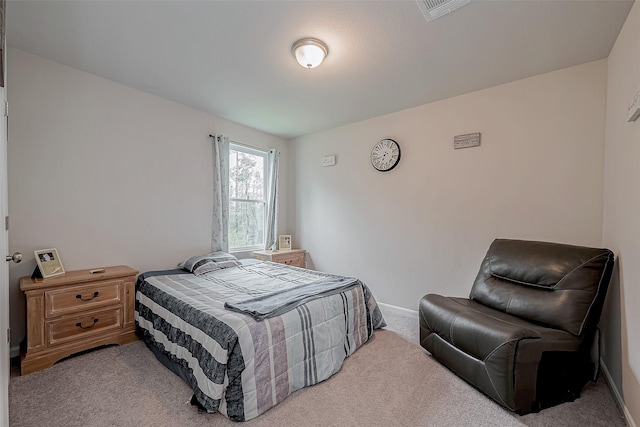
(328, 161)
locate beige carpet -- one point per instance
(388, 382)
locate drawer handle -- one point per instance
(79, 324)
(95, 294)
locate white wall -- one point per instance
(621, 217)
(108, 174)
(425, 226)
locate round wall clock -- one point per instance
(385, 155)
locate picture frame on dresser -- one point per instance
(284, 242)
(49, 264)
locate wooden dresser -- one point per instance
(75, 312)
(293, 257)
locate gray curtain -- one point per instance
(220, 224)
(272, 201)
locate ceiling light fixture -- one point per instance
(309, 52)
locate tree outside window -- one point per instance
(247, 198)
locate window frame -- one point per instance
(264, 154)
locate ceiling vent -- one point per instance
(434, 9)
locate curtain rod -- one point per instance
(244, 145)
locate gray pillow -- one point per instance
(215, 261)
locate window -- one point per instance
(247, 197)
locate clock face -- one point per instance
(385, 155)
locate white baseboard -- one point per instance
(616, 395)
(14, 351)
(400, 311)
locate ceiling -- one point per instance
(233, 58)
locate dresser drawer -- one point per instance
(79, 298)
(82, 326)
(295, 261)
(293, 257)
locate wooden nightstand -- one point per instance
(293, 257)
(76, 312)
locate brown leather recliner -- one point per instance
(525, 337)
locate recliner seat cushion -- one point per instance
(486, 346)
(481, 331)
(534, 280)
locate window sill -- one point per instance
(241, 253)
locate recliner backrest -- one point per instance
(556, 285)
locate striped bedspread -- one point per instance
(237, 365)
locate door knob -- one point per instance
(16, 257)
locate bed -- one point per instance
(244, 335)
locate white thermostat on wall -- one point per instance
(328, 161)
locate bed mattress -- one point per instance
(240, 366)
